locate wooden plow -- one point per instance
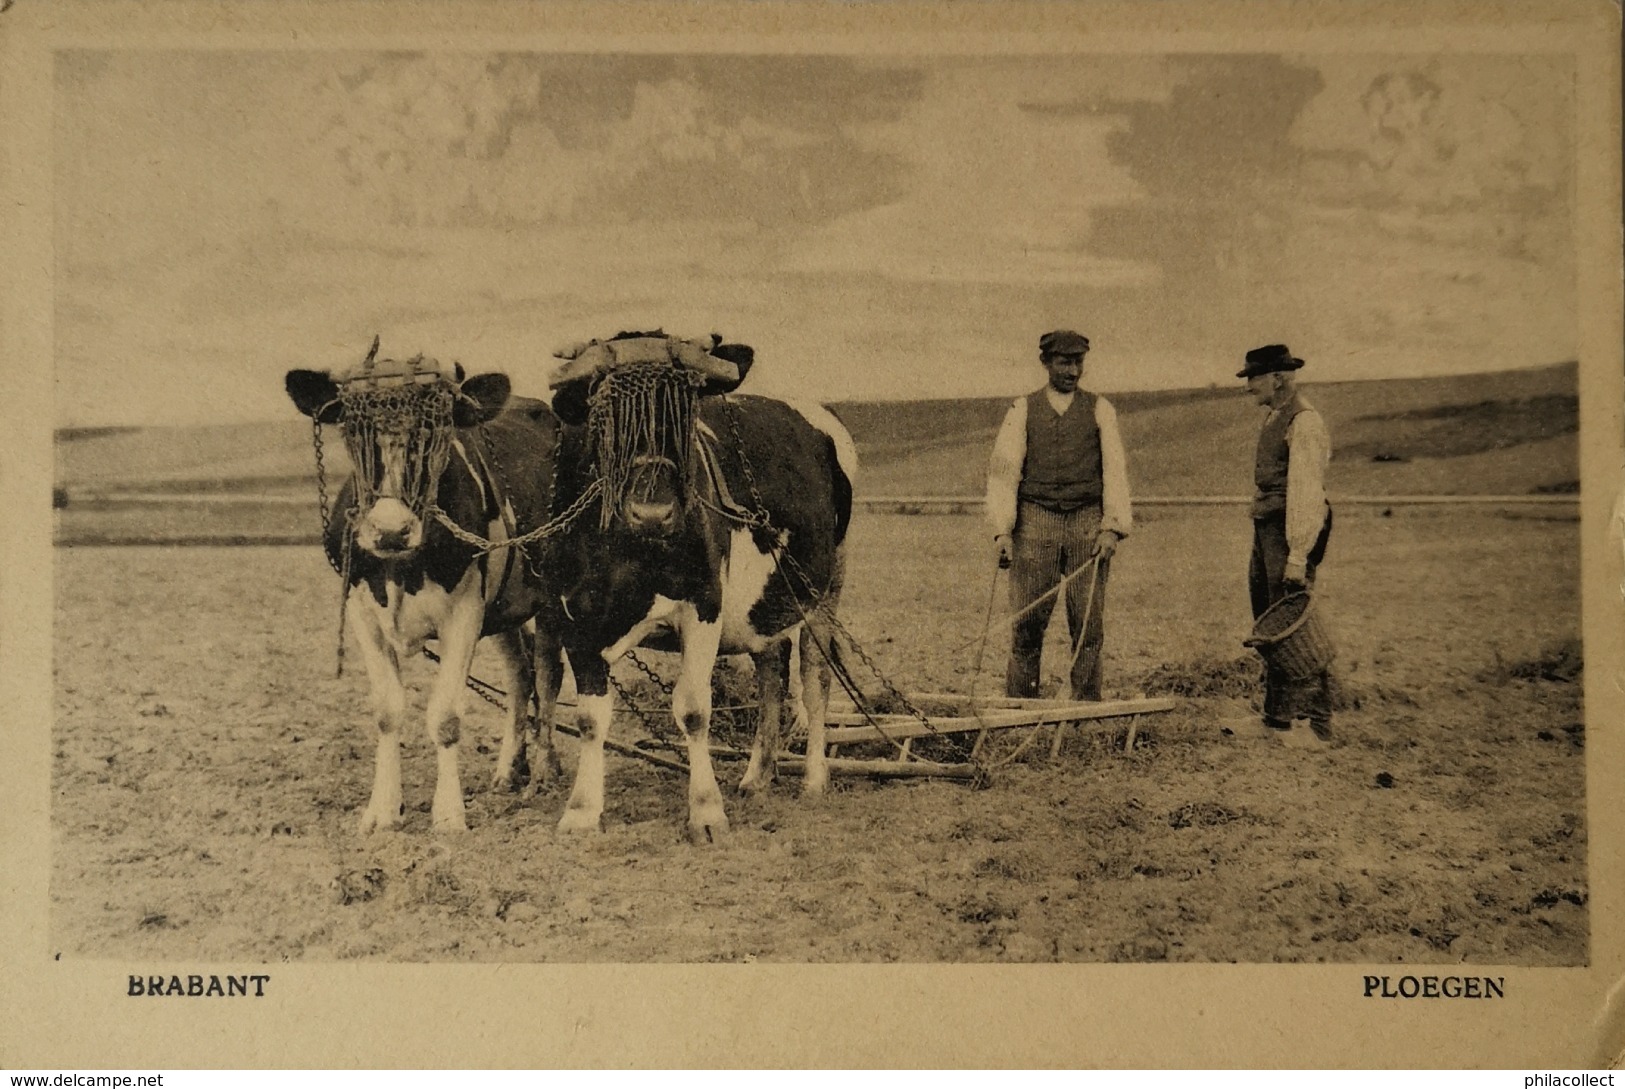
(945, 715)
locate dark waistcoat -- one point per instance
(1062, 471)
(1270, 463)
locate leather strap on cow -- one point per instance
(705, 442)
(493, 481)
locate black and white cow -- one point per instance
(720, 528)
(422, 438)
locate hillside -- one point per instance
(1511, 432)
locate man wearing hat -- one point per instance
(1057, 498)
(1291, 521)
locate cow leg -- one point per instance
(691, 707)
(520, 681)
(594, 706)
(795, 707)
(459, 634)
(383, 811)
(548, 666)
(815, 678)
(772, 674)
(817, 648)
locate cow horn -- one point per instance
(372, 354)
(695, 357)
(585, 362)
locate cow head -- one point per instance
(637, 395)
(398, 420)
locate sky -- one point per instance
(877, 227)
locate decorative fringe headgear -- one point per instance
(634, 408)
(407, 406)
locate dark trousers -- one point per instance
(1048, 546)
(1285, 699)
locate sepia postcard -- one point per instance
(812, 534)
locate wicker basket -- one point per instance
(1292, 638)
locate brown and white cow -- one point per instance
(720, 528)
(421, 438)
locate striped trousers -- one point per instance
(1047, 547)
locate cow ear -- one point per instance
(314, 392)
(740, 355)
(480, 398)
(570, 402)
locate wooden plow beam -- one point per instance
(850, 727)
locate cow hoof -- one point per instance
(504, 781)
(579, 820)
(705, 833)
(372, 820)
(813, 787)
(453, 826)
(755, 786)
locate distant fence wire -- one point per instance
(70, 500)
(877, 504)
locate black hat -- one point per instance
(1063, 342)
(1268, 360)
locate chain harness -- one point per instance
(341, 566)
(759, 518)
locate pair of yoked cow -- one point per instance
(658, 508)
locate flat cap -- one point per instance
(1063, 342)
(1269, 359)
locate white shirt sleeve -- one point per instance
(1116, 510)
(1311, 448)
(1004, 468)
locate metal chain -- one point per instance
(658, 736)
(341, 568)
(321, 485)
(648, 671)
(828, 616)
(493, 695)
(551, 529)
(761, 517)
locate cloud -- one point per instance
(472, 140)
(876, 225)
(1000, 189)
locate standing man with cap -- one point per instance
(1292, 520)
(1057, 498)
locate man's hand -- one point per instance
(1007, 550)
(1105, 544)
(1294, 579)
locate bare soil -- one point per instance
(209, 768)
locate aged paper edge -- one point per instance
(63, 1014)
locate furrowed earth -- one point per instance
(208, 771)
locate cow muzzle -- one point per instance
(650, 507)
(389, 530)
